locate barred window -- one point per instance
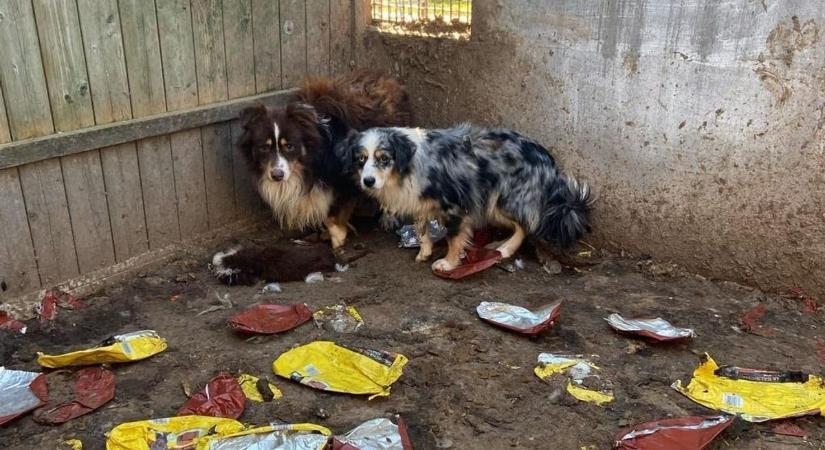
(441, 18)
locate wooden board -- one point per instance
(141, 43)
(121, 175)
(86, 193)
(18, 269)
(21, 72)
(293, 42)
(240, 48)
(64, 63)
(318, 36)
(5, 136)
(266, 30)
(246, 195)
(180, 78)
(49, 221)
(341, 36)
(218, 164)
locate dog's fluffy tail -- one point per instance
(566, 213)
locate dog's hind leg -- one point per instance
(459, 233)
(511, 245)
(422, 228)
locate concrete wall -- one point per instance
(698, 122)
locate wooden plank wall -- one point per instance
(74, 64)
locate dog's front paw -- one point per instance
(423, 256)
(443, 265)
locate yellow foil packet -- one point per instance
(754, 395)
(249, 386)
(576, 369)
(122, 348)
(287, 436)
(331, 367)
(181, 433)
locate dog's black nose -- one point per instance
(277, 174)
(369, 181)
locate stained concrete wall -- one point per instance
(698, 122)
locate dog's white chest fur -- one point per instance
(292, 205)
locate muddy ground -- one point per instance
(467, 385)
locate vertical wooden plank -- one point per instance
(246, 195)
(341, 36)
(240, 48)
(18, 268)
(5, 136)
(123, 200)
(180, 79)
(266, 31)
(49, 221)
(143, 62)
(21, 72)
(293, 42)
(210, 59)
(64, 63)
(318, 36)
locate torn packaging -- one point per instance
(655, 330)
(93, 388)
(121, 348)
(270, 319)
(222, 397)
(682, 433)
(20, 392)
(518, 319)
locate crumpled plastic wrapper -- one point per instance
(71, 444)
(255, 389)
(475, 259)
(20, 392)
(330, 367)
(656, 330)
(270, 319)
(409, 237)
(375, 434)
(8, 323)
(338, 318)
(93, 388)
(579, 372)
(314, 277)
(754, 395)
(518, 319)
(122, 348)
(302, 436)
(681, 433)
(222, 397)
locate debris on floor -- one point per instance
(754, 395)
(258, 389)
(339, 318)
(409, 237)
(52, 299)
(654, 330)
(314, 277)
(475, 260)
(681, 433)
(20, 392)
(271, 288)
(71, 444)
(8, 323)
(750, 322)
(277, 436)
(270, 319)
(122, 348)
(511, 265)
(222, 397)
(223, 303)
(93, 388)
(330, 367)
(378, 434)
(582, 383)
(518, 319)
(788, 428)
(182, 432)
(809, 305)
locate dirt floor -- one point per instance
(468, 385)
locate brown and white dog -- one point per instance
(290, 150)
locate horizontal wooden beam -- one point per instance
(61, 144)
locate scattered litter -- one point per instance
(750, 322)
(809, 304)
(302, 243)
(327, 366)
(552, 267)
(7, 323)
(341, 267)
(476, 259)
(754, 395)
(580, 377)
(789, 429)
(20, 392)
(122, 348)
(73, 444)
(409, 237)
(258, 389)
(681, 433)
(270, 319)
(656, 330)
(518, 319)
(322, 413)
(180, 432)
(222, 397)
(223, 303)
(52, 299)
(271, 288)
(314, 277)
(300, 436)
(93, 388)
(511, 265)
(339, 318)
(375, 434)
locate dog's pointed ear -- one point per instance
(403, 150)
(305, 118)
(345, 151)
(251, 114)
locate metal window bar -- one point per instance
(400, 12)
